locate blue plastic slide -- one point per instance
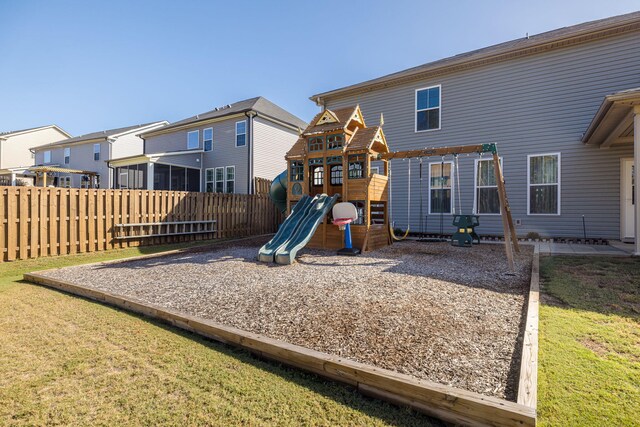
(287, 229)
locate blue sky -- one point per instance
(88, 65)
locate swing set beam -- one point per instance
(510, 237)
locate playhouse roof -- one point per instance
(329, 120)
(366, 138)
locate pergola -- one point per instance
(615, 124)
(42, 171)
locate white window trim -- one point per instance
(476, 186)
(453, 189)
(97, 152)
(197, 132)
(215, 179)
(64, 155)
(529, 156)
(415, 109)
(234, 178)
(204, 141)
(245, 134)
(44, 156)
(213, 182)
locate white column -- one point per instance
(150, 176)
(636, 169)
(13, 179)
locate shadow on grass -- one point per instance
(341, 393)
(601, 284)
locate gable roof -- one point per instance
(364, 138)
(542, 42)
(259, 104)
(100, 135)
(8, 134)
(343, 116)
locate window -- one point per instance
(318, 176)
(241, 134)
(219, 180)
(486, 193)
(231, 179)
(209, 180)
(356, 166)
(544, 184)
(96, 152)
(193, 138)
(360, 209)
(67, 155)
(336, 175)
(175, 178)
(47, 156)
(335, 141)
(428, 109)
(296, 171)
(64, 182)
(440, 194)
(316, 143)
(207, 139)
(123, 179)
(132, 177)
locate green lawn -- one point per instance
(589, 370)
(68, 361)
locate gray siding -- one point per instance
(532, 105)
(271, 143)
(81, 158)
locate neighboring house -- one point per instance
(221, 150)
(15, 156)
(558, 105)
(82, 161)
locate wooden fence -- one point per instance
(261, 185)
(38, 222)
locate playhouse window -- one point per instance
(335, 141)
(360, 208)
(356, 166)
(336, 174)
(318, 176)
(296, 173)
(316, 143)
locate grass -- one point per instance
(589, 370)
(69, 361)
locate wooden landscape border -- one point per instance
(528, 381)
(444, 402)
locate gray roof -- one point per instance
(258, 104)
(104, 134)
(10, 132)
(506, 50)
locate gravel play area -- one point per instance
(447, 314)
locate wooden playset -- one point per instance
(333, 156)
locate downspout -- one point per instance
(250, 115)
(320, 103)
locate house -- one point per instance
(82, 161)
(15, 156)
(221, 150)
(562, 108)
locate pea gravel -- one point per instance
(446, 314)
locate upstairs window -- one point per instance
(67, 155)
(440, 188)
(96, 152)
(335, 142)
(356, 166)
(544, 184)
(207, 139)
(193, 140)
(428, 109)
(296, 172)
(316, 143)
(241, 134)
(47, 156)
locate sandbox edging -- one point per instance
(447, 403)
